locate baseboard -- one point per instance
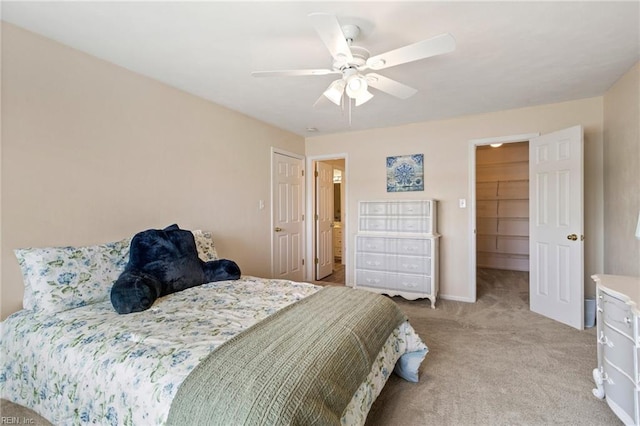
(456, 298)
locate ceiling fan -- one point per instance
(351, 61)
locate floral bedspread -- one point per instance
(90, 365)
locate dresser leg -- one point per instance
(598, 392)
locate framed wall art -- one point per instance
(405, 173)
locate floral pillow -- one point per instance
(60, 278)
(204, 244)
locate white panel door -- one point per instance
(324, 220)
(288, 219)
(556, 248)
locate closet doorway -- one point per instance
(556, 228)
(501, 197)
(329, 199)
(502, 217)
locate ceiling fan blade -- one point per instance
(330, 32)
(444, 43)
(278, 73)
(390, 86)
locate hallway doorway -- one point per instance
(329, 201)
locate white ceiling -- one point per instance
(509, 54)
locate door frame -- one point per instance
(473, 144)
(310, 237)
(324, 182)
(272, 215)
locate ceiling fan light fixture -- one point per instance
(350, 61)
(335, 91)
(363, 97)
(356, 86)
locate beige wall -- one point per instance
(92, 153)
(622, 175)
(445, 145)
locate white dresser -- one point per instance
(396, 250)
(617, 376)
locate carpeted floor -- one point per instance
(495, 363)
(489, 363)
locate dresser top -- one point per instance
(626, 286)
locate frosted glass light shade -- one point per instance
(356, 86)
(335, 91)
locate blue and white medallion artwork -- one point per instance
(405, 173)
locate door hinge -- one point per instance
(317, 217)
(316, 173)
(317, 261)
(303, 217)
(302, 262)
(302, 172)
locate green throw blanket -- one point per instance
(300, 366)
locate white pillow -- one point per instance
(204, 244)
(60, 278)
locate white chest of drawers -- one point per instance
(397, 248)
(617, 376)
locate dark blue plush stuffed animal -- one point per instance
(161, 262)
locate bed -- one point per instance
(238, 349)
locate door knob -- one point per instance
(572, 237)
(278, 229)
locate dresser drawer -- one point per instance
(375, 244)
(411, 208)
(375, 279)
(375, 261)
(411, 264)
(619, 390)
(617, 314)
(413, 283)
(375, 224)
(397, 224)
(412, 246)
(374, 208)
(620, 351)
(393, 281)
(408, 224)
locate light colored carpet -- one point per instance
(490, 363)
(495, 363)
